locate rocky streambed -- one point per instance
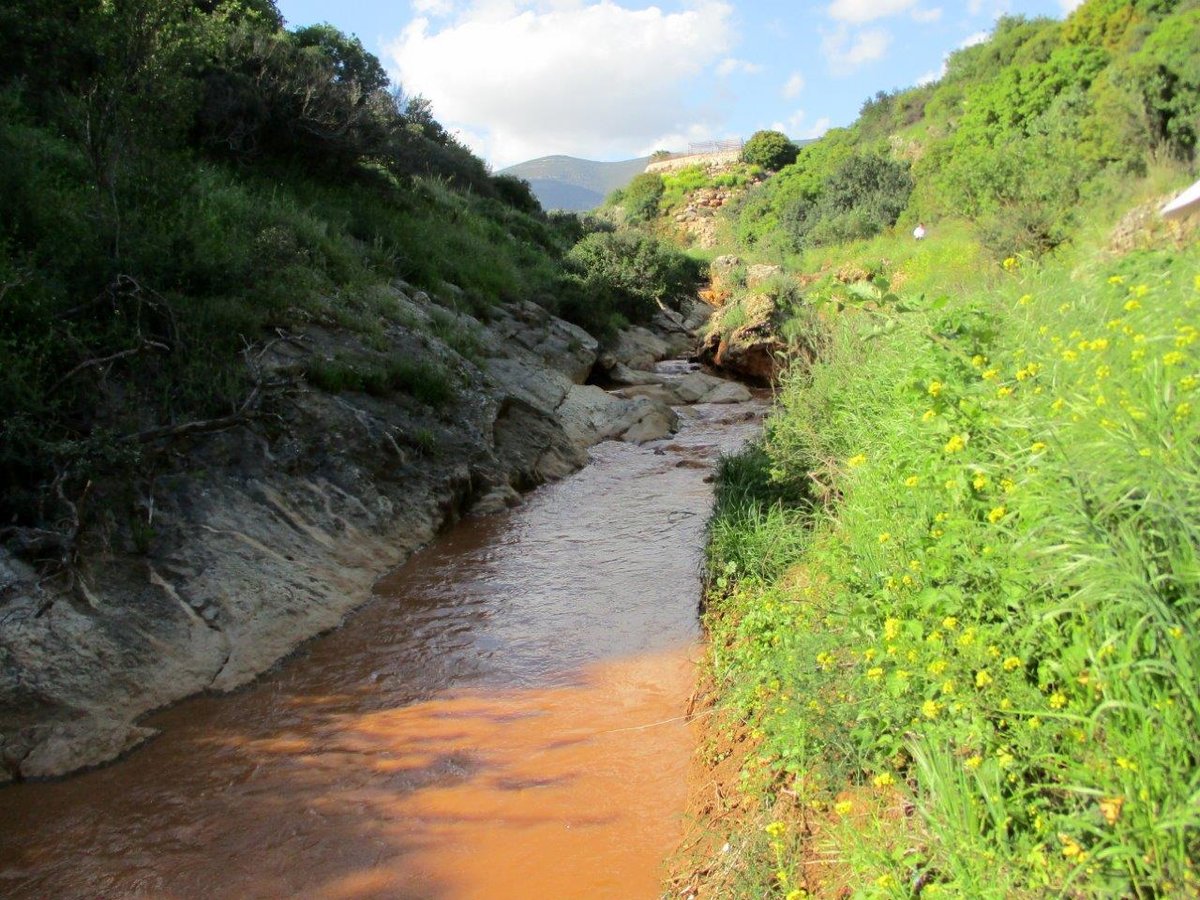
(257, 538)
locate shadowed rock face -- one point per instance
(262, 536)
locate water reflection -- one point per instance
(502, 721)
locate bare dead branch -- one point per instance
(105, 360)
(200, 426)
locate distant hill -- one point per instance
(577, 185)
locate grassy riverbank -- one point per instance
(954, 592)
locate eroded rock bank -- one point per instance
(254, 539)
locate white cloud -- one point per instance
(730, 66)
(433, 7)
(817, 128)
(791, 125)
(585, 77)
(794, 85)
(972, 39)
(794, 126)
(847, 52)
(859, 11)
(1069, 6)
(926, 16)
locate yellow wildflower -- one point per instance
(912, 481)
(1058, 700)
(884, 537)
(1110, 808)
(843, 807)
(979, 482)
(982, 678)
(1173, 358)
(956, 444)
(874, 673)
(1011, 663)
(891, 628)
(775, 829)
(930, 709)
(857, 460)
(928, 415)
(935, 388)
(996, 514)
(884, 779)
(974, 762)
(1070, 848)
(950, 623)
(991, 375)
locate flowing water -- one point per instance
(504, 719)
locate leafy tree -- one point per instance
(1164, 76)
(640, 198)
(770, 149)
(865, 195)
(630, 273)
(517, 193)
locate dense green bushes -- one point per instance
(995, 617)
(180, 179)
(1020, 129)
(625, 276)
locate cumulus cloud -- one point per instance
(533, 77)
(927, 15)
(433, 7)
(859, 11)
(796, 126)
(1069, 6)
(847, 52)
(730, 66)
(794, 85)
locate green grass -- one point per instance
(996, 611)
(422, 379)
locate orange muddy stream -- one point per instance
(504, 720)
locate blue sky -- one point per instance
(614, 79)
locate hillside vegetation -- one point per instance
(954, 594)
(184, 182)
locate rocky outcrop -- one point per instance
(256, 538)
(742, 339)
(694, 387)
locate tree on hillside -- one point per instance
(641, 198)
(770, 149)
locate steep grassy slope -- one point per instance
(953, 596)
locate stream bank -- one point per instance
(252, 540)
(506, 718)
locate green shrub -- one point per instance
(641, 197)
(770, 149)
(628, 272)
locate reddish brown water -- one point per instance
(503, 720)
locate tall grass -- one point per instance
(998, 615)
